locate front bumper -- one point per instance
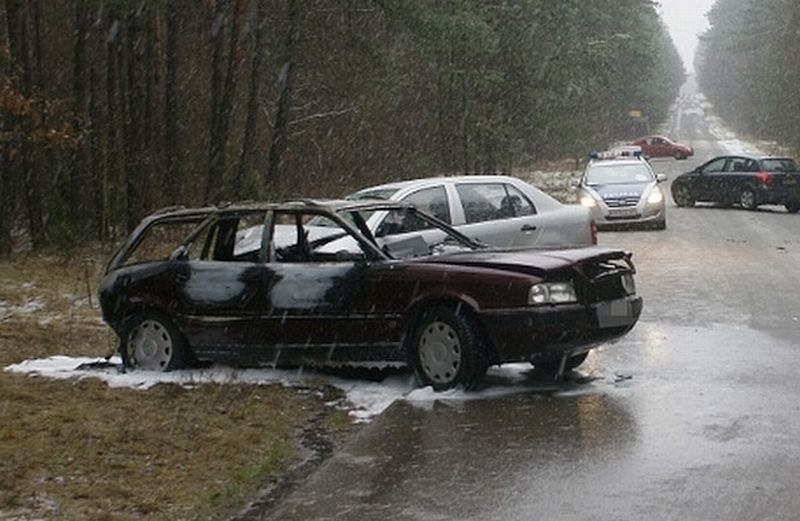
(527, 334)
(628, 217)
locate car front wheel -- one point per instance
(793, 207)
(446, 349)
(747, 199)
(152, 342)
(682, 195)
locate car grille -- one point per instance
(622, 202)
(603, 282)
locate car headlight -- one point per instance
(628, 284)
(655, 197)
(588, 201)
(552, 293)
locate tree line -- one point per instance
(110, 109)
(748, 66)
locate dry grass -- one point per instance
(76, 449)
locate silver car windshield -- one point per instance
(624, 173)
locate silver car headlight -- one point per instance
(552, 293)
(655, 197)
(588, 201)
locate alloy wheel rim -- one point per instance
(747, 199)
(150, 346)
(682, 194)
(440, 352)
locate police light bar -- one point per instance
(618, 152)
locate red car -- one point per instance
(660, 146)
(308, 283)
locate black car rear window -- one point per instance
(779, 165)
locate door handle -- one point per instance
(528, 228)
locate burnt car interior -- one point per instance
(291, 236)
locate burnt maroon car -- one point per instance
(660, 146)
(308, 283)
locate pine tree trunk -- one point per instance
(172, 182)
(133, 119)
(114, 120)
(215, 149)
(280, 129)
(78, 164)
(250, 128)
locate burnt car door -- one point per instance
(217, 275)
(322, 283)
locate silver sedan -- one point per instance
(501, 211)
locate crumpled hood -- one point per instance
(619, 191)
(529, 260)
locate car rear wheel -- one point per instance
(152, 342)
(552, 366)
(747, 199)
(446, 349)
(682, 195)
(792, 207)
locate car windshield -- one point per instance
(779, 165)
(407, 232)
(621, 173)
(373, 193)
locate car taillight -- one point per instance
(765, 178)
(593, 231)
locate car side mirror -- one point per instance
(575, 183)
(181, 253)
(660, 178)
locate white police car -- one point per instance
(621, 190)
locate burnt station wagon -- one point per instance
(308, 283)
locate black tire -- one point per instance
(747, 199)
(682, 195)
(679, 156)
(151, 341)
(552, 366)
(446, 349)
(792, 207)
(660, 225)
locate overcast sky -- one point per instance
(686, 19)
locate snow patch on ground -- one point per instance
(367, 398)
(554, 183)
(29, 307)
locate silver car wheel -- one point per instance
(440, 352)
(747, 198)
(150, 346)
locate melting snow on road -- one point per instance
(367, 398)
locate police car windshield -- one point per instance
(618, 173)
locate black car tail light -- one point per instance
(765, 178)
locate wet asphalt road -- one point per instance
(695, 415)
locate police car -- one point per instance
(621, 190)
